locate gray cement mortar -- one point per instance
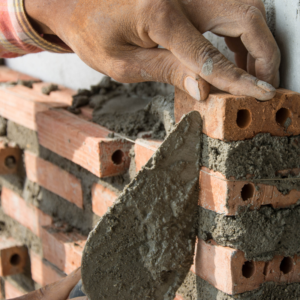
(195, 288)
(260, 234)
(143, 247)
(261, 157)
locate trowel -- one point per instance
(143, 247)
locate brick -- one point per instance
(7, 75)
(231, 118)
(228, 270)
(63, 249)
(86, 113)
(13, 257)
(10, 158)
(12, 291)
(144, 149)
(53, 178)
(21, 104)
(62, 95)
(42, 271)
(178, 297)
(83, 142)
(102, 199)
(226, 196)
(26, 214)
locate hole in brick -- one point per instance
(117, 157)
(247, 191)
(243, 119)
(10, 162)
(286, 265)
(248, 269)
(15, 259)
(283, 116)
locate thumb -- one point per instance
(160, 65)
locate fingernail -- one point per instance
(265, 86)
(191, 86)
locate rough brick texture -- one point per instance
(231, 118)
(83, 142)
(27, 215)
(13, 257)
(63, 249)
(226, 196)
(102, 199)
(8, 75)
(42, 271)
(53, 178)
(227, 269)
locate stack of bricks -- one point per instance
(59, 173)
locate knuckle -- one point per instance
(119, 71)
(252, 14)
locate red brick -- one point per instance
(26, 214)
(62, 95)
(13, 257)
(83, 142)
(228, 270)
(226, 196)
(144, 149)
(12, 291)
(21, 104)
(102, 199)
(230, 118)
(86, 113)
(64, 250)
(10, 157)
(42, 271)
(53, 178)
(7, 75)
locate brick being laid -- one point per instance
(13, 256)
(42, 271)
(226, 196)
(231, 118)
(63, 249)
(26, 214)
(53, 178)
(228, 270)
(83, 142)
(102, 198)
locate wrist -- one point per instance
(35, 14)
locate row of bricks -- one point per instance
(223, 267)
(71, 136)
(64, 250)
(226, 196)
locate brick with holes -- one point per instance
(13, 257)
(231, 118)
(85, 143)
(227, 196)
(227, 269)
(10, 157)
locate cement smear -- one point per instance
(260, 234)
(195, 288)
(143, 247)
(261, 156)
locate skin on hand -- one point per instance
(59, 290)
(119, 38)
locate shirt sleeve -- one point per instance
(17, 37)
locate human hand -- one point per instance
(59, 290)
(119, 38)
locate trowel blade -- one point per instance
(143, 247)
